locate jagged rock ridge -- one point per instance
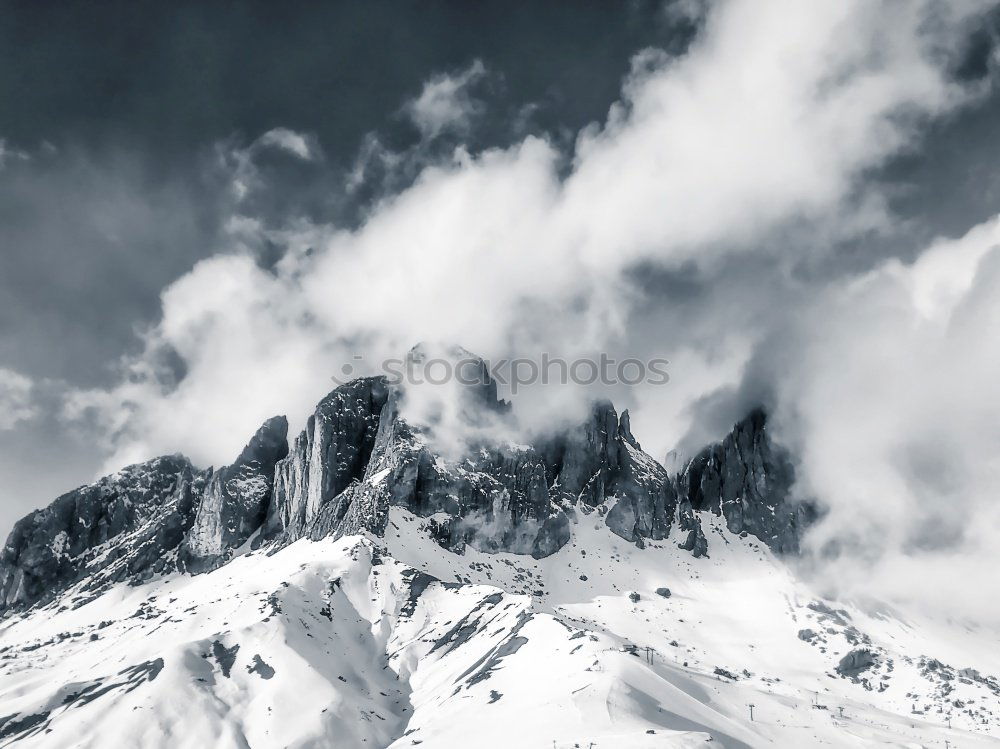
(358, 456)
(236, 499)
(124, 526)
(747, 479)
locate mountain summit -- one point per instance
(359, 455)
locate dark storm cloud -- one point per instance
(170, 77)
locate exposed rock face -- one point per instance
(747, 479)
(603, 461)
(502, 496)
(328, 455)
(149, 518)
(235, 500)
(495, 497)
(359, 455)
(856, 662)
(695, 540)
(124, 527)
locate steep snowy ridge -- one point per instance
(362, 587)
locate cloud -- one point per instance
(247, 348)
(242, 161)
(688, 224)
(292, 142)
(11, 154)
(446, 104)
(16, 403)
(887, 395)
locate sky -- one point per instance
(207, 209)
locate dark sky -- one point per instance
(165, 78)
(119, 104)
(117, 107)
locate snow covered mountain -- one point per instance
(364, 587)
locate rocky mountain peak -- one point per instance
(114, 529)
(236, 498)
(361, 454)
(748, 479)
(268, 445)
(625, 429)
(451, 371)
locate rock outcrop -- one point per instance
(146, 519)
(235, 500)
(126, 526)
(494, 496)
(497, 496)
(856, 662)
(331, 452)
(747, 479)
(362, 453)
(602, 462)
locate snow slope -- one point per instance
(397, 642)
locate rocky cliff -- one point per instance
(747, 479)
(235, 499)
(127, 526)
(359, 455)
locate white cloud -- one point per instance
(8, 153)
(294, 143)
(890, 399)
(445, 103)
(16, 403)
(241, 162)
(248, 348)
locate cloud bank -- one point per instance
(888, 397)
(16, 402)
(731, 172)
